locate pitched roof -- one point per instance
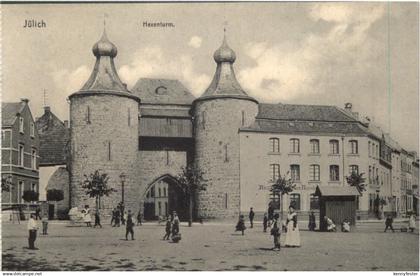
(336, 191)
(9, 111)
(280, 126)
(303, 112)
(162, 91)
(53, 138)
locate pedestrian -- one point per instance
(265, 222)
(412, 223)
(124, 217)
(121, 208)
(345, 226)
(275, 232)
(251, 217)
(32, 228)
(45, 224)
(240, 226)
(129, 226)
(117, 218)
(139, 218)
(86, 216)
(388, 223)
(175, 224)
(37, 212)
(330, 224)
(113, 217)
(97, 219)
(292, 235)
(270, 213)
(312, 222)
(167, 229)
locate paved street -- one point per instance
(206, 247)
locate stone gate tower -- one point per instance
(104, 119)
(218, 114)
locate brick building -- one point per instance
(20, 152)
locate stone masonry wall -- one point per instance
(104, 136)
(217, 153)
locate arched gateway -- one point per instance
(163, 196)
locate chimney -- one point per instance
(47, 109)
(348, 106)
(24, 100)
(66, 123)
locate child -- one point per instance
(45, 224)
(275, 232)
(265, 222)
(129, 224)
(167, 229)
(139, 218)
(388, 223)
(412, 223)
(345, 226)
(240, 226)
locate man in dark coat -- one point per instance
(251, 217)
(129, 225)
(312, 222)
(167, 229)
(388, 223)
(97, 219)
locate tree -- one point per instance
(191, 180)
(30, 196)
(357, 180)
(55, 195)
(281, 186)
(96, 186)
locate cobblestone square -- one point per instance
(212, 246)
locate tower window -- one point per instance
(167, 157)
(88, 115)
(226, 153)
(226, 200)
(243, 118)
(109, 150)
(203, 119)
(129, 117)
(21, 155)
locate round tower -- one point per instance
(218, 114)
(104, 132)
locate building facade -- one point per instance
(20, 152)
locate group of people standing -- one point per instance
(172, 228)
(272, 221)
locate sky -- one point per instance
(326, 53)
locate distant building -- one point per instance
(54, 139)
(20, 151)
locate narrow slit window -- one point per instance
(109, 150)
(129, 117)
(167, 157)
(203, 119)
(226, 200)
(226, 153)
(88, 115)
(243, 118)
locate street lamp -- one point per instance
(122, 177)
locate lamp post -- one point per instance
(122, 177)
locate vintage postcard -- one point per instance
(210, 136)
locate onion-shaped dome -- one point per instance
(224, 53)
(104, 47)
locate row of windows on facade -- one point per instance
(19, 192)
(314, 172)
(406, 203)
(151, 193)
(22, 127)
(406, 184)
(314, 146)
(295, 200)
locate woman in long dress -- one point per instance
(86, 216)
(292, 235)
(412, 223)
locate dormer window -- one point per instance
(21, 124)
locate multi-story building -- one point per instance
(415, 186)
(20, 151)
(407, 160)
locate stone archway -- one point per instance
(162, 196)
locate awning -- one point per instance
(336, 191)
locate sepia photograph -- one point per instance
(210, 136)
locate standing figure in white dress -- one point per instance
(86, 216)
(292, 235)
